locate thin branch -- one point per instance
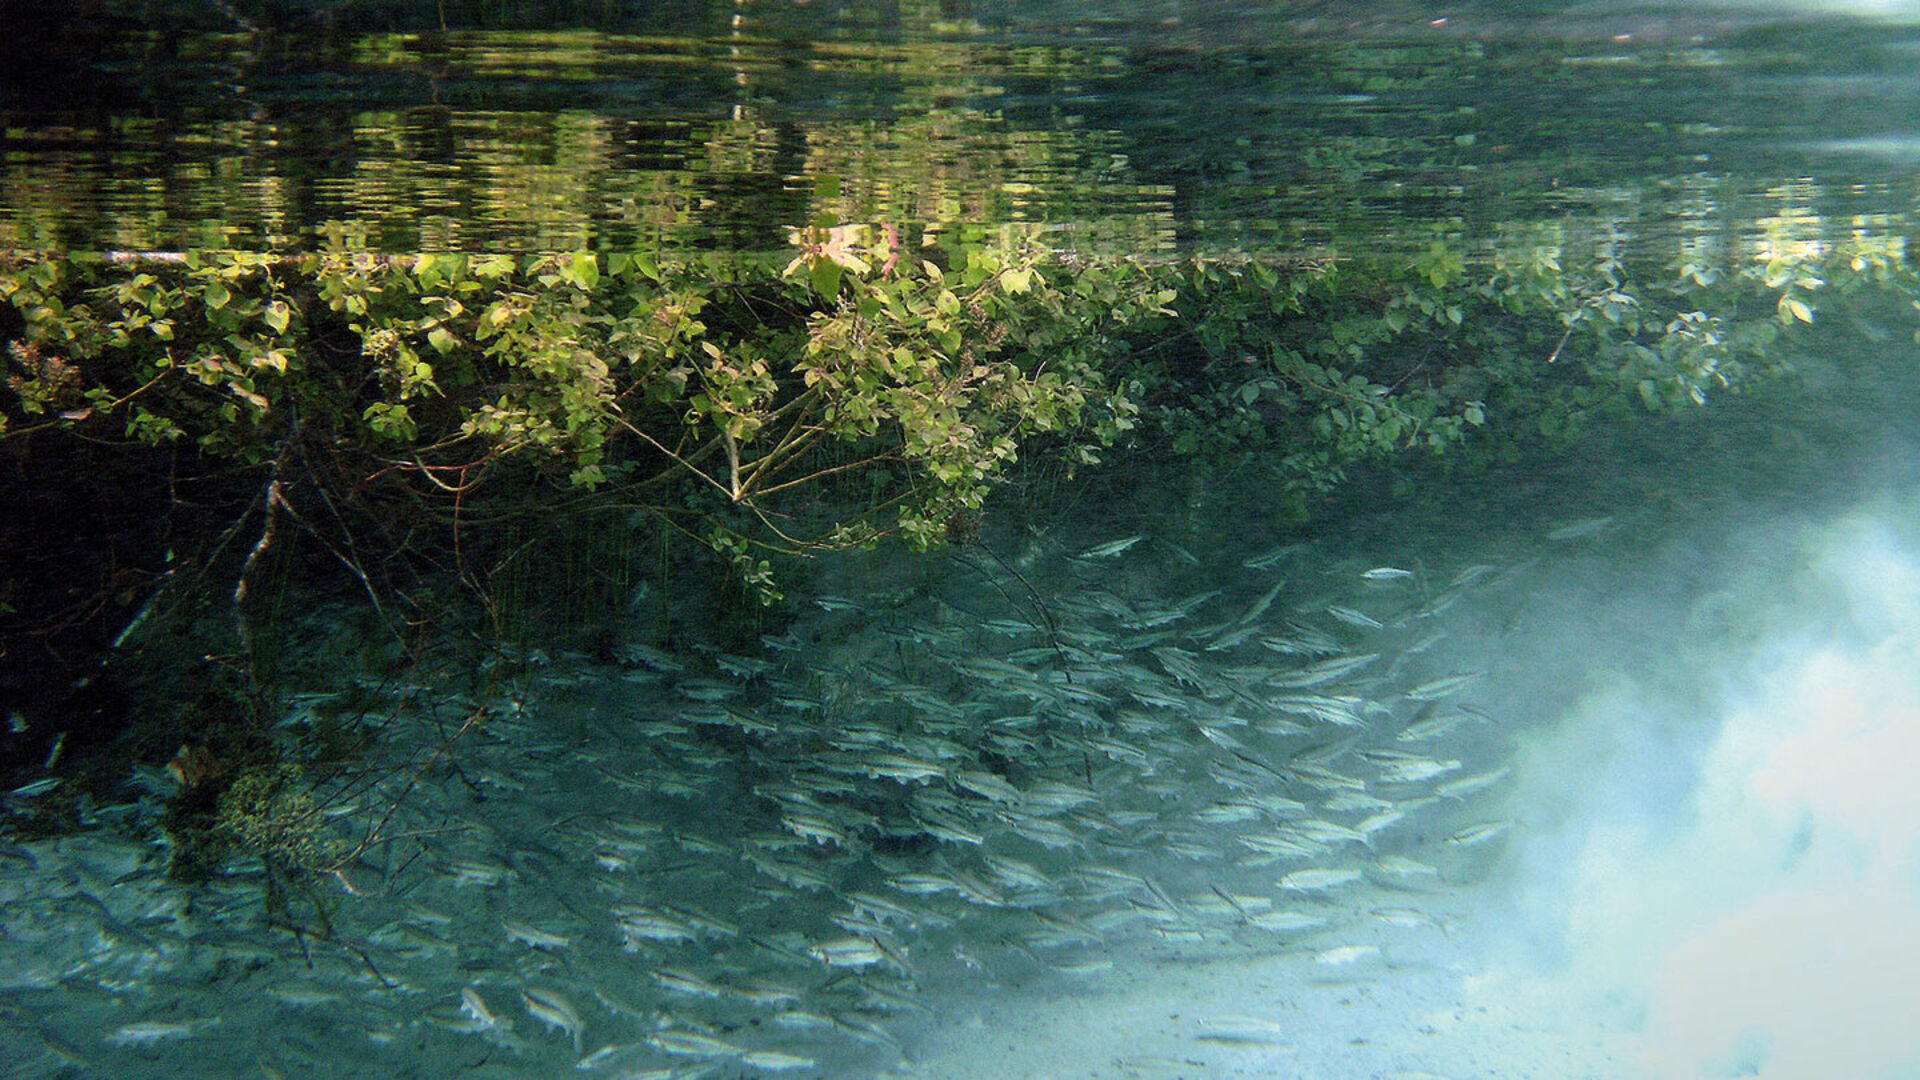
(831, 469)
(683, 462)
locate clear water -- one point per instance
(1661, 826)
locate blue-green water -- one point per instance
(1589, 767)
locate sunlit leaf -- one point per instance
(584, 270)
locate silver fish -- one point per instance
(775, 1061)
(1319, 879)
(148, 1032)
(475, 1007)
(1480, 833)
(1242, 1029)
(1342, 955)
(1468, 785)
(1355, 617)
(1109, 550)
(692, 1044)
(1443, 687)
(847, 952)
(533, 936)
(553, 1008)
(1575, 530)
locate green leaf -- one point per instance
(215, 296)
(584, 270)
(826, 277)
(442, 340)
(390, 421)
(277, 315)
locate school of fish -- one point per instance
(697, 863)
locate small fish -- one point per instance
(950, 828)
(534, 937)
(692, 1044)
(475, 1007)
(976, 890)
(1058, 795)
(683, 981)
(1229, 813)
(1269, 557)
(1318, 880)
(1260, 606)
(147, 1032)
(1468, 785)
(1443, 687)
(1386, 573)
(602, 1056)
(1432, 726)
(1410, 918)
(1399, 866)
(555, 1010)
(775, 1061)
(1342, 955)
(1575, 530)
(38, 787)
(707, 690)
(744, 667)
(1087, 965)
(1109, 550)
(481, 873)
(1234, 637)
(762, 992)
(847, 952)
(815, 827)
(1326, 832)
(641, 924)
(1324, 671)
(1411, 772)
(1355, 618)
(302, 996)
(881, 907)
(1481, 833)
(987, 785)
(1242, 1029)
(1378, 821)
(1281, 921)
(1016, 873)
(901, 767)
(801, 1020)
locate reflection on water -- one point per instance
(719, 137)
